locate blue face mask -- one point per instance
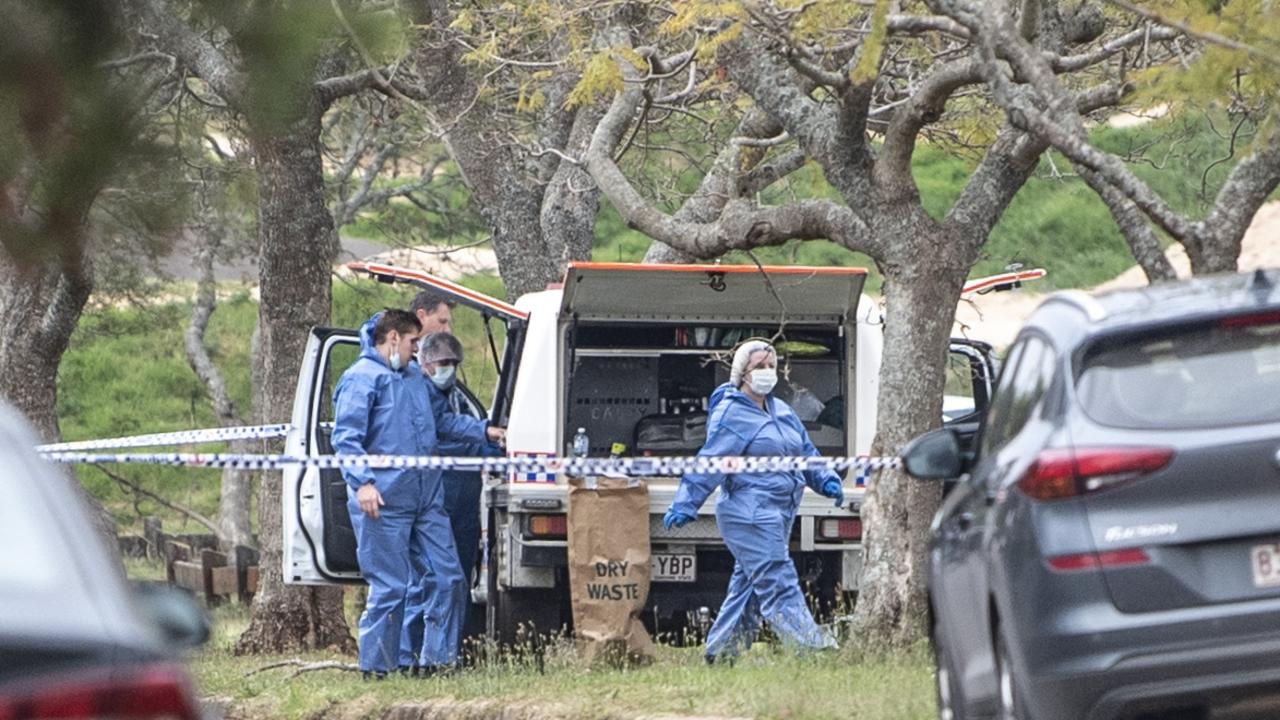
(443, 377)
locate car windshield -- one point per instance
(1223, 374)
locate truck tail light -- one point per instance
(840, 528)
(549, 525)
(154, 691)
(1094, 561)
(1062, 473)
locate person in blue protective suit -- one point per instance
(756, 510)
(439, 355)
(381, 407)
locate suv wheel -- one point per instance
(1011, 703)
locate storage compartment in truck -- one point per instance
(646, 386)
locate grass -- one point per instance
(767, 683)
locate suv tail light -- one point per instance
(153, 691)
(1091, 561)
(840, 528)
(1264, 318)
(549, 525)
(1063, 473)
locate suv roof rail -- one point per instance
(1082, 301)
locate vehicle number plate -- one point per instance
(1266, 565)
(675, 567)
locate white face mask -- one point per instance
(395, 359)
(443, 376)
(762, 380)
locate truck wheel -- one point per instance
(524, 617)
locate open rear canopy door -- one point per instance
(711, 293)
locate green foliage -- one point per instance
(600, 78)
(873, 46)
(1246, 74)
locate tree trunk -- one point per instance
(40, 305)
(236, 492)
(1214, 251)
(920, 303)
(295, 257)
(526, 261)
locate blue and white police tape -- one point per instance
(180, 437)
(640, 466)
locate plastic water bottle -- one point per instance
(581, 444)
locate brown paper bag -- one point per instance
(609, 568)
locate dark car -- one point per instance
(1112, 547)
(76, 640)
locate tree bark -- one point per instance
(540, 218)
(295, 256)
(920, 299)
(40, 305)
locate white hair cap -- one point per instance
(743, 356)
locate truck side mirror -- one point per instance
(934, 455)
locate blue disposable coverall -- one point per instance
(755, 513)
(382, 411)
(461, 504)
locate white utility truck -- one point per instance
(630, 354)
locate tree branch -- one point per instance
(335, 88)
(767, 174)
(1135, 227)
(1065, 131)
(825, 132)
(740, 225)
(1247, 187)
(920, 24)
(925, 106)
(1202, 35)
(1074, 63)
(199, 55)
(1010, 160)
(177, 507)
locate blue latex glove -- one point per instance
(833, 489)
(675, 518)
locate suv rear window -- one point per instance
(1203, 376)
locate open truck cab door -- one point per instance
(319, 543)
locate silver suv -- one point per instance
(75, 639)
(1112, 546)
